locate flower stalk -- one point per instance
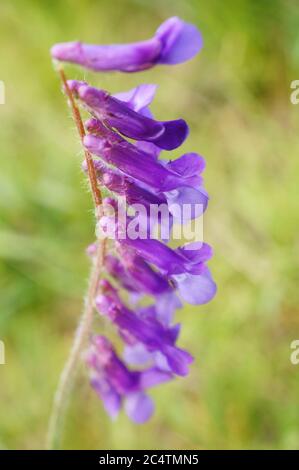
(96, 193)
(69, 371)
(83, 330)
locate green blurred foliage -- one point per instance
(242, 391)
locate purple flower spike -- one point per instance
(145, 197)
(165, 134)
(174, 42)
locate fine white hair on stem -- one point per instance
(83, 331)
(69, 371)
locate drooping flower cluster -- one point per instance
(141, 266)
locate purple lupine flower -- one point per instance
(117, 114)
(117, 385)
(174, 42)
(148, 331)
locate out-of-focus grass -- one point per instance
(242, 391)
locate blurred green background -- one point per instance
(242, 392)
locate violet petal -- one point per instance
(139, 407)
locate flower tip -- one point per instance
(56, 51)
(181, 41)
(90, 96)
(94, 144)
(175, 133)
(67, 51)
(83, 91)
(139, 407)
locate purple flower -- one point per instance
(136, 275)
(137, 354)
(195, 289)
(174, 42)
(170, 262)
(185, 268)
(137, 164)
(117, 114)
(122, 185)
(146, 330)
(189, 165)
(182, 204)
(138, 98)
(116, 385)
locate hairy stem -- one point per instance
(96, 193)
(69, 371)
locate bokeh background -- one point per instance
(242, 392)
